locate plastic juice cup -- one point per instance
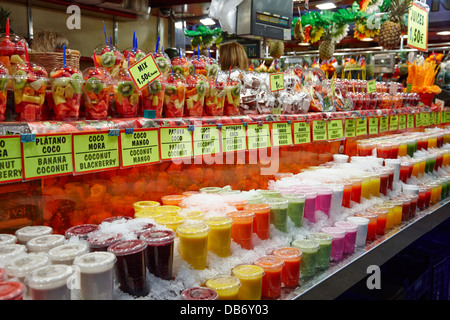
(199, 293)
(255, 199)
(323, 200)
(11, 251)
(296, 207)
(192, 214)
(278, 212)
(150, 213)
(49, 282)
(375, 182)
(404, 172)
(309, 249)
(210, 190)
(347, 195)
(272, 279)
(394, 150)
(384, 182)
(130, 267)
(310, 205)
(242, 228)
(336, 199)
(171, 221)
(406, 201)
(364, 148)
(356, 190)
(193, 245)
(96, 92)
(413, 205)
(227, 287)
(422, 198)
(323, 255)
(291, 269)
(351, 230)
(126, 95)
(100, 241)
(270, 193)
(96, 275)
(173, 199)
(361, 234)
(27, 233)
(251, 277)
(422, 165)
(338, 244)
(238, 204)
(402, 149)
(81, 231)
(261, 221)
(411, 147)
(7, 239)
(144, 205)
(372, 226)
(410, 189)
(66, 253)
(45, 243)
(168, 209)
(2, 274)
(384, 150)
(390, 217)
(11, 290)
(219, 238)
(67, 89)
(215, 99)
(365, 186)
(12, 51)
(398, 209)
(159, 252)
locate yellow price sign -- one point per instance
(281, 134)
(418, 27)
(302, 132)
(144, 71)
(10, 159)
(276, 81)
(371, 86)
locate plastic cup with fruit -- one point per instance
(96, 93)
(181, 66)
(162, 60)
(153, 96)
(29, 83)
(174, 96)
(232, 97)
(196, 88)
(131, 56)
(215, 98)
(199, 64)
(4, 80)
(109, 58)
(126, 95)
(12, 51)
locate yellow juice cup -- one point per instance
(402, 149)
(422, 165)
(144, 205)
(432, 142)
(398, 209)
(375, 182)
(365, 186)
(193, 245)
(168, 209)
(390, 215)
(148, 213)
(219, 238)
(416, 168)
(192, 214)
(251, 281)
(171, 221)
(446, 159)
(227, 287)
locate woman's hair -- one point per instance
(232, 54)
(49, 41)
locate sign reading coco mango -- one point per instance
(140, 147)
(418, 27)
(175, 143)
(48, 155)
(10, 159)
(95, 152)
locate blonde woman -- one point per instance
(232, 55)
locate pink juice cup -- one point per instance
(323, 200)
(350, 235)
(310, 205)
(338, 244)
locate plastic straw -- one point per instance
(95, 61)
(157, 45)
(179, 52)
(104, 31)
(198, 52)
(27, 57)
(64, 55)
(7, 27)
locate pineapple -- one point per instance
(326, 49)
(390, 30)
(276, 49)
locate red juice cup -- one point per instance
(356, 190)
(174, 97)
(405, 206)
(126, 94)
(232, 98)
(2, 274)
(242, 228)
(4, 81)
(381, 219)
(67, 90)
(130, 266)
(384, 182)
(11, 290)
(159, 252)
(30, 83)
(109, 58)
(196, 88)
(100, 240)
(199, 293)
(372, 227)
(421, 199)
(347, 195)
(364, 148)
(215, 99)
(96, 93)
(272, 279)
(261, 221)
(153, 96)
(413, 205)
(291, 269)
(404, 172)
(12, 52)
(384, 150)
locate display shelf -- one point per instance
(340, 276)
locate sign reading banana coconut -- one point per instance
(418, 27)
(144, 71)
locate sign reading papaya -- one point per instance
(139, 147)
(144, 71)
(418, 27)
(10, 159)
(48, 155)
(281, 134)
(175, 143)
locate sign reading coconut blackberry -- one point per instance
(144, 71)
(10, 159)
(418, 27)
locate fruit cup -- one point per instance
(232, 98)
(4, 80)
(215, 99)
(174, 95)
(180, 66)
(96, 93)
(153, 97)
(163, 63)
(109, 58)
(30, 83)
(12, 52)
(132, 56)
(196, 87)
(67, 88)
(126, 94)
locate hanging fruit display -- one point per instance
(391, 29)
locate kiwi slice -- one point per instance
(162, 64)
(76, 82)
(108, 59)
(236, 91)
(178, 70)
(3, 83)
(201, 87)
(20, 79)
(171, 89)
(191, 70)
(139, 56)
(93, 85)
(126, 88)
(154, 87)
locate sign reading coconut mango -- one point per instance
(144, 71)
(10, 159)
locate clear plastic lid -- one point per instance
(321, 238)
(67, 252)
(27, 233)
(193, 229)
(270, 262)
(334, 231)
(45, 243)
(270, 193)
(49, 277)
(347, 226)
(358, 220)
(306, 245)
(241, 215)
(223, 283)
(148, 213)
(210, 190)
(7, 239)
(248, 271)
(127, 247)
(100, 239)
(81, 231)
(294, 197)
(120, 219)
(20, 267)
(95, 262)
(168, 209)
(277, 203)
(153, 237)
(288, 253)
(219, 221)
(257, 208)
(11, 251)
(11, 290)
(199, 293)
(145, 205)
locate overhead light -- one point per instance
(367, 39)
(443, 33)
(326, 6)
(306, 44)
(208, 21)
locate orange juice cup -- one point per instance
(251, 281)
(219, 238)
(291, 269)
(193, 245)
(242, 228)
(172, 199)
(272, 279)
(261, 221)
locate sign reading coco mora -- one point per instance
(418, 27)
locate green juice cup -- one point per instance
(309, 249)
(270, 193)
(278, 212)
(324, 252)
(296, 207)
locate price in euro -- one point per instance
(417, 36)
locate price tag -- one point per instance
(276, 81)
(10, 159)
(402, 122)
(139, 148)
(206, 140)
(350, 128)
(144, 71)
(419, 122)
(443, 117)
(384, 124)
(258, 136)
(373, 125)
(371, 86)
(361, 126)
(409, 87)
(447, 116)
(410, 120)
(175, 143)
(95, 152)
(393, 123)
(417, 27)
(48, 155)
(437, 117)
(319, 130)
(302, 132)
(281, 134)
(234, 138)
(335, 129)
